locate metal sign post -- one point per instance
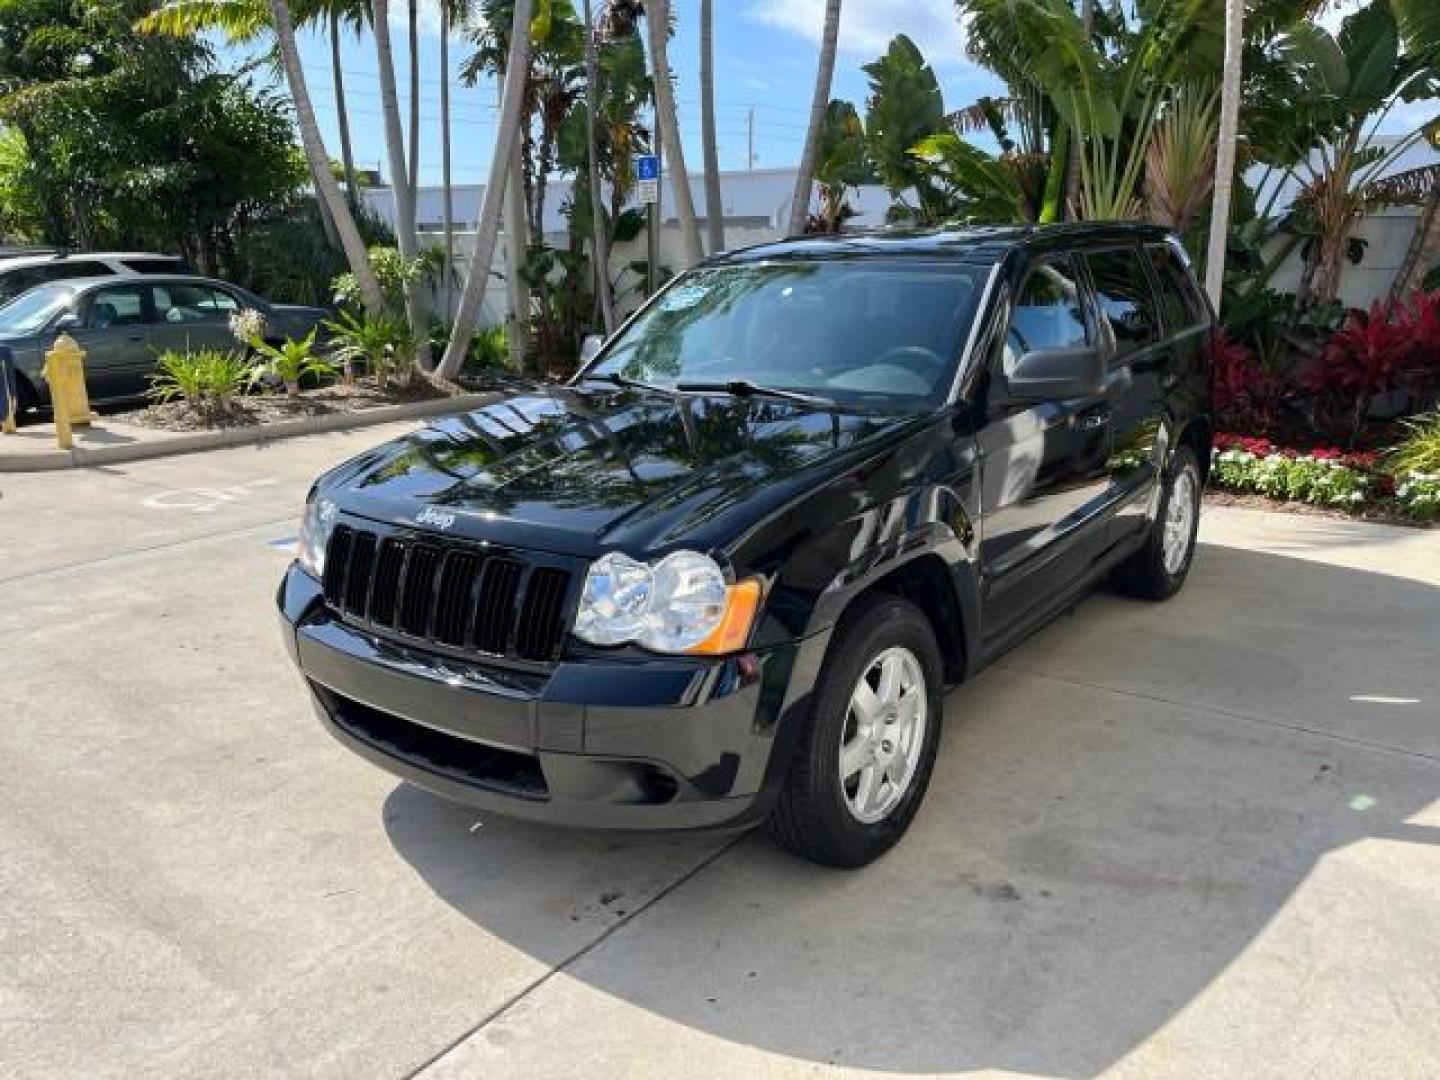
(647, 175)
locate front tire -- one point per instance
(1159, 568)
(865, 760)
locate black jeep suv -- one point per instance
(723, 575)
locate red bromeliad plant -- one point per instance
(1391, 347)
(1246, 393)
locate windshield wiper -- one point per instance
(627, 383)
(746, 389)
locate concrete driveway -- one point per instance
(1189, 840)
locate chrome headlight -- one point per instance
(316, 526)
(683, 603)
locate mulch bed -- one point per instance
(1378, 514)
(274, 408)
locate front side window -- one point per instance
(155, 266)
(1047, 314)
(1122, 292)
(861, 332)
(123, 305)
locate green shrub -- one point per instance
(206, 379)
(489, 349)
(1318, 481)
(178, 375)
(290, 361)
(382, 344)
(1420, 452)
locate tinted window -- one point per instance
(123, 305)
(1047, 314)
(76, 268)
(179, 302)
(1122, 292)
(1180, 301)
(155, 266)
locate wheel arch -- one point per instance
(928, 582)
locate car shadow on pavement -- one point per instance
(1126, 809)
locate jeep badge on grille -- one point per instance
(435, 518)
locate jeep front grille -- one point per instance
(451, 594)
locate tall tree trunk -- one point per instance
(1429, 215)
(507, 142)
(350, 239)
(517, 248)
(413, 14)
(405, 237)
(342, 117)
(1072, 157)
(714, 199)
(1225, 141)
(819, 104)
(600, 229)
(657, 17)
(447, 194)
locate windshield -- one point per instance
(32, 311)
(860, 333)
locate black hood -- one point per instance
(580, 472)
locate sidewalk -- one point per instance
(107, 441)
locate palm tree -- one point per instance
(243, 21)
(819, 105)
(446, 191)
(413, 15)
(598, 226)
(342, 112)
(657, 15)
(405, 238)
(314, 144)
(714, 205)
(1420, 28)
(1226, 139)
(507, 146)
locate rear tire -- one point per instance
(1159, 568)
(887, 735)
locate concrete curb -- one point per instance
(192, 442)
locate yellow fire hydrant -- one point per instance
(64, 371)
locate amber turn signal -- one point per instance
(741, 605)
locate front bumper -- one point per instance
(656, 745)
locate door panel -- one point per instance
(1042, 465)
(115, 335)
(1141, 364)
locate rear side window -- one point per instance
(186, 303)
(1180, 301)
(1122, 292)
(1047, 313)
(75, 268)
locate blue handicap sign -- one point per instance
(647, 167)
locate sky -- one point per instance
(766, 53)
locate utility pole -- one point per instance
(750, 141)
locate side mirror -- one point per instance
(590, 348)
(70, 320)
(1058, 374)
